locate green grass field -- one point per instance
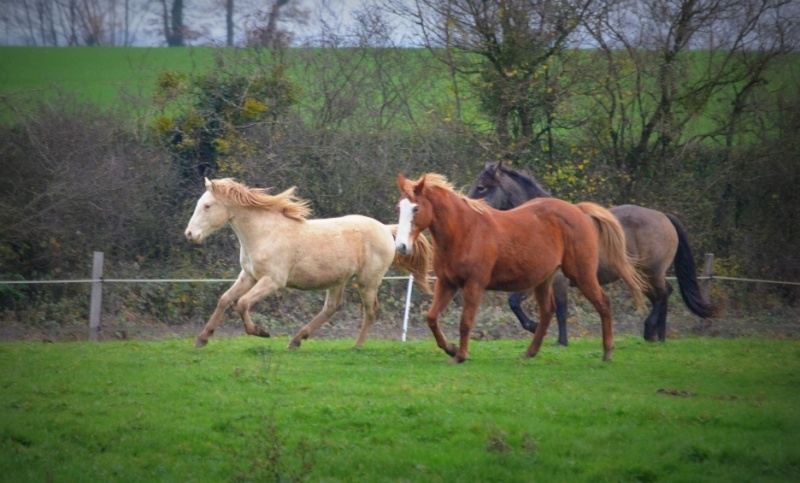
(110, 75)
(246, 409)
(98, 75)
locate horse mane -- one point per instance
(286, 202)
(526, 181)
(440, 181)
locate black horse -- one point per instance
(654, 239)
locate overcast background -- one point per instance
(141, 22)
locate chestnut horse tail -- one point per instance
(686, 273)
(612, 249)
(419, 263)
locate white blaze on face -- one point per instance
(402, 242)
(202, 222)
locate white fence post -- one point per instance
(408, 305)
(97, 295)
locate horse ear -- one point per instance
(493, 168)
(401, 181)
(420, 186)
(208, 184)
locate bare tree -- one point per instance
(665, 64)
(72, 22)
(229, 23)
(262, 26)
(510, 51)
(172, 18)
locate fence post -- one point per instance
(97, 295)
(708, 272)
(408, 305)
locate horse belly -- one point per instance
(525, 261)
(339, 249)
(519, 284)
(322, 271)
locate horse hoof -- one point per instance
(294, 344)
(527, 356)
(451, 350)
(607, 356)
(455, 360)
(200, 343)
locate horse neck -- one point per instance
(449, 215)
(524, 189)
(250, 223)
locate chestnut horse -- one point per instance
(280, 248)
(655, 239)
(477, 248)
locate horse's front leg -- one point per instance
(442, 295)
(473, 294)
(260, 290)
(240, 287)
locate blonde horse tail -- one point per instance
(419, 263)
(612, 249)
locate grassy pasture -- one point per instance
(694, 409)
(101, 75)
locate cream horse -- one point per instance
(281, 247)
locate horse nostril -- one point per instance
(404, 249)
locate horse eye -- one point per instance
(205, 207)
(481, 189)
(415, 210)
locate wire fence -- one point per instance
(98, 281)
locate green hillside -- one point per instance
(96, 74)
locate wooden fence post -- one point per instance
(708, 272)
(97, 295)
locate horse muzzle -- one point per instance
(404, 248)
(193, 237)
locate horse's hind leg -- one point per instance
(662, 316)
(333, 300)
(515, 304)
(595, 294)
(240, 287)
(655, 325)
(369, 302)
(546, 304)
(560, 292)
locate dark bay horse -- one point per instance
(655, 239)
(477, 248)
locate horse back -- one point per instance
(556, 218)
(650, 237)
(538, 236)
